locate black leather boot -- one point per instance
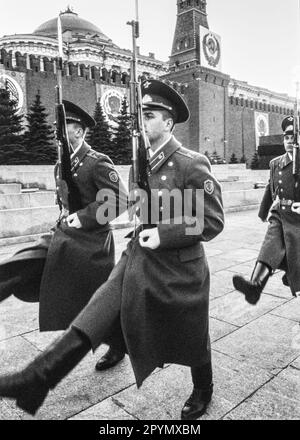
(30, 386)
(111, 358)
(197, 403)
(252, 289)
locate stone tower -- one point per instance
(195, 70)
(191, 14)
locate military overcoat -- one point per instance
(79, 260)
(164, 293)
(282, 239)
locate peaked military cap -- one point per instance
(77, 114)
(159, 96)
(287, 125)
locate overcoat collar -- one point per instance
(285, 160)
(79, 156)
(159, 158)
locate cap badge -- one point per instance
(147, 98)
(146, 84)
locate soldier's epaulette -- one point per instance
(94, 154)
(185, 153)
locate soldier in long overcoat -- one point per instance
(155, 302)
(281, 246)
(64, 268)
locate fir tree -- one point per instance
(39, 136)
(12, 150)
(243, 159)
(99, 137)
(122, 139)
(216, 159)
(255, 161)
(233, 159)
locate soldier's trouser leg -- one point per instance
(271, 255)
(197, 403)
(272, 251)
(202, 376)
(30, 386)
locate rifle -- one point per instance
(140, 142)
(68, 193)
(296, 167)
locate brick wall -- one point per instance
(75, 89)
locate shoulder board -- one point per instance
(184, 152)
(99, 156)
(93, 154)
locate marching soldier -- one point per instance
(155, 302)
(78, 257)
(281, 246)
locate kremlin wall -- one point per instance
(227, 115)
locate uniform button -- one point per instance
(280, 173)
(160, 193)
(280, 181)
(281, 190)
(283, 208)
(163, 177)
(170, 164)
(57, 188)
(161, 208)
(75, 175)
(80, 164)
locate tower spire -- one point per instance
(191, 14)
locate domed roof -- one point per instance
(70, 22)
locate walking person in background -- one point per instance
(281, 246)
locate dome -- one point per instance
(70, 22)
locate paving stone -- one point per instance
(220, 262)
(41, 340)
(212, 252)
(219, 329)
(296, 363)
(275, 286)
(277, 400)
(234, 309)
(244, 269)
(15, 353)
(267, 342)
(289, 310)
(17, 317)
(241, 255)
(163, 394)
(7, 412)
(106, 410)
(220, 283)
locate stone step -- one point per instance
(27, 200)
(27, 221)
(10, 188)
(238, 185)
(37, 220)
(248, 197)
